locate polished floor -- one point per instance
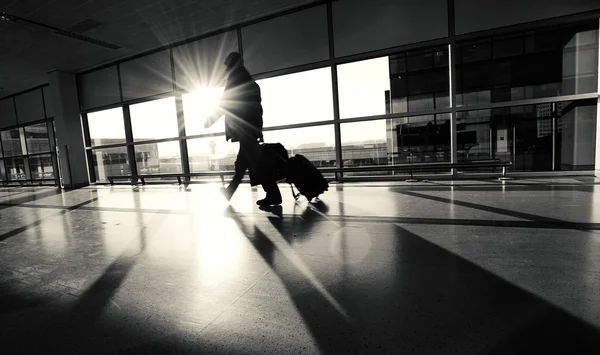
(464, 267)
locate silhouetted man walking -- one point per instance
(241, 105)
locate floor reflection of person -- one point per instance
(241, 106)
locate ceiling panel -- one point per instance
(27, 55)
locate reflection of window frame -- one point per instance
(401, 89)
(517, 67)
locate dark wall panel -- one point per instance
(368, 25)
(146, 76)
(200, 63)
(99, 88)
(287, 41)
(7, 113)
(477, 15)
(30, 106)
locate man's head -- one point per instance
(233, 60)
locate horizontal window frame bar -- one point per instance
(130, 102)
(152, 141)
(141, 100)
(107, 146)
(293, 70)
(22, 125)
(436, 111)
(546, 100)
(27, 155)
(299, 125)
(517, 103)
(25, 91)
(209, 135)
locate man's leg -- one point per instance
(241, 164)
(273, 195)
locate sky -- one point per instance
(288, 99)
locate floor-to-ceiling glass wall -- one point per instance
(525, 97)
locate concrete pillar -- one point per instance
(69, 132)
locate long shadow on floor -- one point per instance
(544, 221)
(74, 330)
(411, 295)
(38, 222)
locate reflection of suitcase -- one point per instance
(308, 180)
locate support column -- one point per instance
(69, 134)
(452, 88)
(597, 158)
(339, 177)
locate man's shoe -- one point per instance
(226, 193)
(268, 202)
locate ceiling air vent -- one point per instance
(84, 26)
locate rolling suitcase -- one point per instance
(272, 163)
(306, 177)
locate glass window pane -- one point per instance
(507, 47)
(317, 144)
(576, 136)
(15, 168)
(473, 135)
(474, 51)
(158, 158)
(154, 119)
(364, 87)
(383, 85)
(110, 162)
(211, 154)
(41, 167)
(11, 142)
(523, 135)
(537, 64)
(419, 139)
(197, 106)
(397, 64)
(37, 138)
(419, 60)
(365, 143)
(297, 98)
(107, 127)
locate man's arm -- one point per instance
(229, 93)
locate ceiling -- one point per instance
(27, 54)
